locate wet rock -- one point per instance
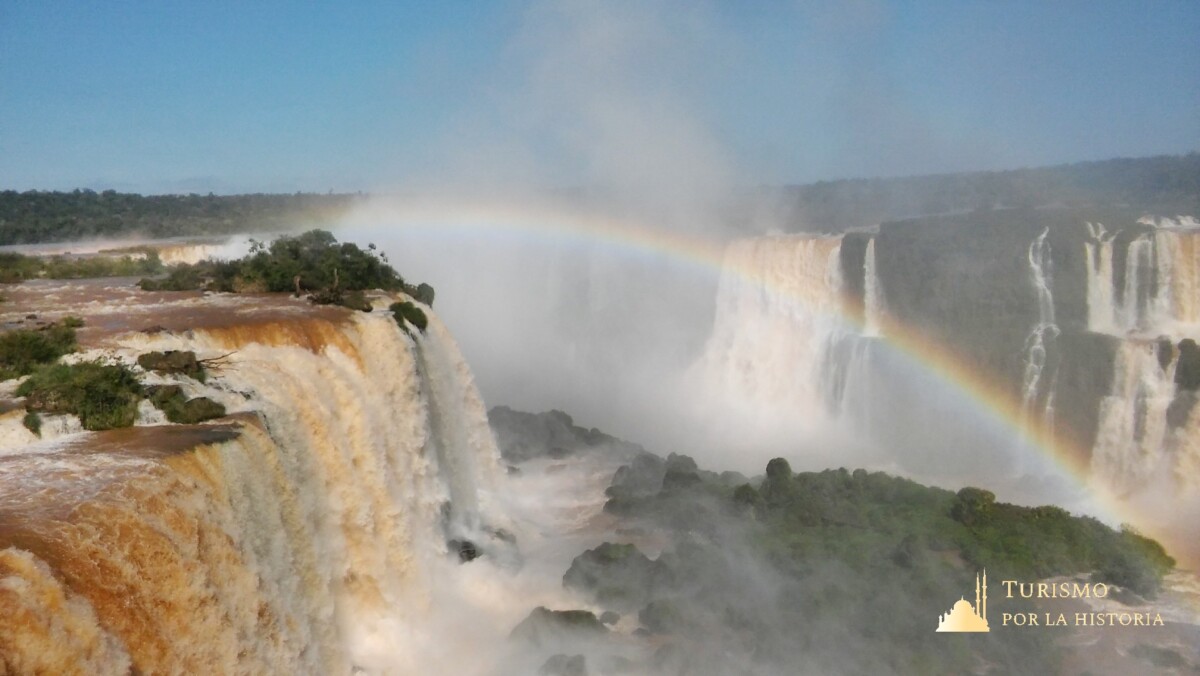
(501, 534)
(552, 627)
(1187, 371)
(424, 294)
(564, 665)
(681, 473)
(465, 549)
(618, 576)
(641, 478)
(659, 617)
(612, 665)
(1165, 352)
(195, 411)
(181, 410)
(609, 617)
(161, 394)
(523, 436)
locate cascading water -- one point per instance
(300, 535)
(1041, 338)
(778, 305)
(874, 305)
(1133, 314)
(1130, 441)
(1098, 255)
(1177, 305)
(1146, 428)
(1147, 442)
(1161, 289)
(776, 345)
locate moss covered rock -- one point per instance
(171, 400)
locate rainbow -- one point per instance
(707, 254)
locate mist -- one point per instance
(574, 227)
(579, 229)
(574, 223)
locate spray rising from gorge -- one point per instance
(967, 349)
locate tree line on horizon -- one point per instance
(1166, 185)
(34, 216)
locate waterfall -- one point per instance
(873, 300)
(1044, 333)
(298, 535)
(1161, 290)
(176, 252)
(1098, 255)
(1148, 429)
(778, 306)
(1131, 442)
(1177, 305)
(1134, 311)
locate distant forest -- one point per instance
(1164, 185)
(36, 216)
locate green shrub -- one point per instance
(16, 267)
(355, 300)
(32, 422)
(104, 395)
(23, 350)
(181, 362)
(406, 311)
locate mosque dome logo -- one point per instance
(964, 617)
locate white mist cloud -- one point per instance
(605, 96)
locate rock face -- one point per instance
(545, 627)
(553, 434)
(617, 576)
(974, 343)
(179, 409)
(564, 665)
(1187, 372)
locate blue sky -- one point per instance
(274, 96)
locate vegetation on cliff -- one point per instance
(407, 312)
(784, 569)
(307, 262)
(312, 263)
